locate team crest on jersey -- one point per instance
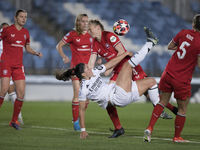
(5, 72)
(24, 36)
(113, 39)
(98, 68)
(107, 45)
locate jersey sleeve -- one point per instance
(176, 38)
(99, 69)
(113, 39)
(82, 95)
(94, 49)
(67, 38)
(28, 38)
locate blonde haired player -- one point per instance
(11, 91)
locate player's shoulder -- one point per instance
(110, 36)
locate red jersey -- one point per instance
(13, 42)
(80, 47)
(182, 63)
(106, 48)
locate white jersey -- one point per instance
(96, 89)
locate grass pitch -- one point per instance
(48, 126)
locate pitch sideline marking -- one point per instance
(61, 129)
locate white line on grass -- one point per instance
(61, 129)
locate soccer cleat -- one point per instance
(117, 132)
(76, 125)
(179, 139)
(20, 121)
(150, 36)
(164, 115)
(147, 135)
(15, 125)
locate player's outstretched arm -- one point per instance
(84, 133)
(31, 51)
(60, 51)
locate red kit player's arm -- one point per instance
(198, 62)
(171, 46)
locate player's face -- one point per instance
(21, 18)
(84, 23)
(93, 30)
(87, 72)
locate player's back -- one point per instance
(182, 64)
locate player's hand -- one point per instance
(99, 61)
(129, 53)
(39, 54)
(83, 135)
(66, 60)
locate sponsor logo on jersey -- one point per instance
(5, 72)
(12, 35)
(107, 45)
(84, 46)
(113, 39)
(18, 42)
(78, 40)
(105, 54)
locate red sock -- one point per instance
(86, 105)
(75, 111)
(179, 124)
(17, 108)
(156, 114)
(172, 108)
(112, 112)
(1, 100)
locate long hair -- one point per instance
(78, 27)
(65, 75)
(196, 22)
(96, 22)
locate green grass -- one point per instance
(48, 126)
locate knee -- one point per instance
(152, 82)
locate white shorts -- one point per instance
(11, 81)
(121, 98)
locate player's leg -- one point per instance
(75, 104)
(180, 119)
(12, 96)
(20, 90)
(4, 88)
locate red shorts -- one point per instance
(169, 84)
(138, 73)
(17, 73)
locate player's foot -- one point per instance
(76, 125)
(179, 139)
(164, 115)
(14, 125)
(117, 132)
(20, 121)
(150, 36)
(147, 135)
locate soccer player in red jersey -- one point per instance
(80, 43)
(15, 37)
(11, 91)
(107, 45)
(177, 77)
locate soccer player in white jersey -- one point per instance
(11, 91)
(121, 93)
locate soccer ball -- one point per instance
(121, 27)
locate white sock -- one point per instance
(12, 96)
(154, 95)
(140, 55)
